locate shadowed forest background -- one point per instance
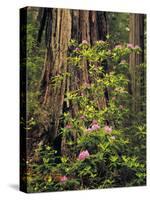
(83, 99)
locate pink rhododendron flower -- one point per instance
(82, 117)
(94, 121)
(63, 178)
(84, 42)
(77, 49)
(118, 46)
(107, 129)
(83, 155)
(130, 46)
(95, 127)
(68, 126)
(89, 129)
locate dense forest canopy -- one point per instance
(86, 99)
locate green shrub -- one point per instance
(103, 148)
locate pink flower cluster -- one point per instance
(63, 178)
(82, 117)
(84, 42)
(118, 46)
(77, 49)
(68, 126)
(130, 46)
(94, 126)
(83, 155)
(94, 121)
(107, 129)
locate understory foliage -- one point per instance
(104, 146)
(34, 64)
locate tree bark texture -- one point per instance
(62, 25)
(136, 37)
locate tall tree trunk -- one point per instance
(136, 37)
(61, 26)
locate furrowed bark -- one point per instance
(136, 37)
(61, 26)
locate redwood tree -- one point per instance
(60, 26)
(136, 37)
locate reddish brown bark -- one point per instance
(63, 25)
(136, 37)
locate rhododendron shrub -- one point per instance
(103, 148)
(83, 155)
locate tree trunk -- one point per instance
(136, 37)
(61, 26)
